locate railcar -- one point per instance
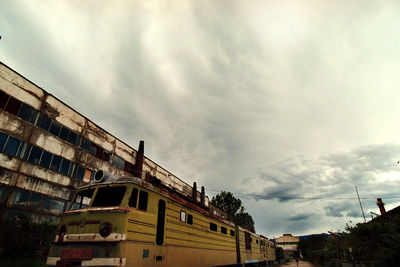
(127, 221)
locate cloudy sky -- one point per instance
(288, 104)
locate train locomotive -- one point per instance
(128, 221)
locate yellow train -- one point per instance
(126, 221)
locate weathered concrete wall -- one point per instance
(34, 178)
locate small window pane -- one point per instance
(118, 162)
(33, 117)
(25, 153)
(55, 128)
(35, 155)
(19, 198)
(79, 172)
(143, 198)
(21, 150)
(46, 159)
(43, 122)
(3, 138)
(213, 227)
(64, 133)
(224, 230)
(65, 167)
(106, 156)
(11, 146)
(133, 199)
(3, 99)
(13, 106)
(73, 138)
(55, 163)
(190, 219)
(25, 112)
(86, 144)
(232, 233)
(183, 216)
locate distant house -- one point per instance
(288, 242)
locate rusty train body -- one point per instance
(127, 221)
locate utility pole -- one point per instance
(360, 204)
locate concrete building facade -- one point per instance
(288, 242)
(47, 150)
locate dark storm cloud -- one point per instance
(258, 98)
(300, 217)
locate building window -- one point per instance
(73, 138)
(183, 216)
(55, 128)
(55, 163)
(11, 146)
(27, 113)
(66, 167)
(190, 219)
(45, 160)
(43, 122)
(213, 227)
(118, 162)
(143, 198)
(13, 106)
(34, 156)
(3, 99)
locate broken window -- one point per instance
(11, 146)
(82, 199)
(118, 162)
(34, 156)
(109, 196)
(55, 163)
(55, 128)
(213, 227)
(13, 105)
(64, 133)
(73, 138)
(143, 198)
(27, 113)
(46, 159)
(133, 199)
(3, 99)
(43, 122)
(65, 168)
(3, 138)
(183, 216)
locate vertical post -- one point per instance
(360, 204)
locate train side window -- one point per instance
(232, 233)
(224, 230)
(190, 219)
(213, 227)
(247, 240)
(82, 199)
(133, 199)
(143, 198)
(183, 216)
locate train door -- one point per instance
(160, 222)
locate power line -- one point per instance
(266, 196)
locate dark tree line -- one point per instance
(234, 209)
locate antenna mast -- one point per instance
(360, 204)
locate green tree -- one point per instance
(234, 209)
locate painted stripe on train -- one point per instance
(93, 262)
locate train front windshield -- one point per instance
(105, 197)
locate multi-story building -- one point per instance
(47, 150)
(288, 242)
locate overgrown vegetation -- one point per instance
(23, 239)
(234, 209)
(374, 244)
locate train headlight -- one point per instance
(105, 229)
